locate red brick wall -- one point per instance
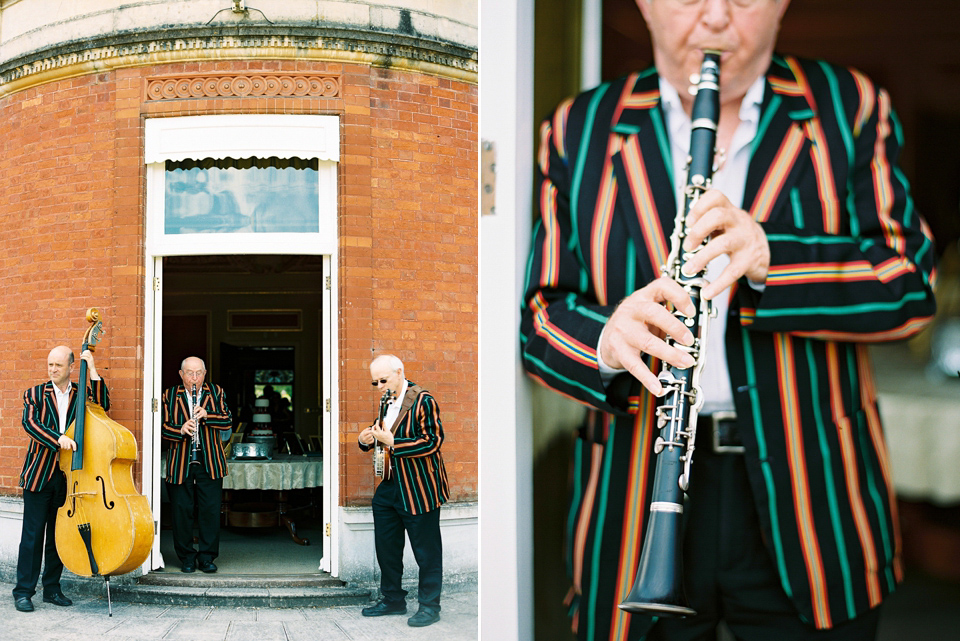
(72, 223)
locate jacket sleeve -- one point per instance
(561, 318)
(220, 418)
(873, 279)
(98, 393)
(172, 417)
(427, 430)
(32, 423)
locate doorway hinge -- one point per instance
(328, 529)
(156, 284)
(328, 404)
(328, 282)
(156, 528)
(154, 405)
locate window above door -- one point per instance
(257, 184)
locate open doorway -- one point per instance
(256, 320)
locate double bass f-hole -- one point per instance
(103, 494)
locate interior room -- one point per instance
(256, 321)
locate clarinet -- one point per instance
(195, 439)
(659, 585)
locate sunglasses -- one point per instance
(382, 381)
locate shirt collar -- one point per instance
(57, 391)
(403, 392)
(679, 122)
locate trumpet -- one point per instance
(194, 438)
(659, 585)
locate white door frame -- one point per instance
(240, 136)
(506, 443)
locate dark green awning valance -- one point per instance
(243, 163)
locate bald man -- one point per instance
(48, 410)
(195, 480)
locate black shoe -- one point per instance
(23, 604)
(425, 616)
(208, 566)
(188, 567)
(382, 608)
(57, 599)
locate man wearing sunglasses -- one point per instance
(408, 499)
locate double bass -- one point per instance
(104, 527)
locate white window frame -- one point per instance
(242, 136)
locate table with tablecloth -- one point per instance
(277, 477)
(921, 419)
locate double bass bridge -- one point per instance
(75, 494)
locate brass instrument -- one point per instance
(658, 588)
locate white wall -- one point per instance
(458, 531)
(31, 25)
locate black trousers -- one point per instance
(201, 493)
(390, 521)
(38, 539)
(728, 573)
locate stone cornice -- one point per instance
(141, 48)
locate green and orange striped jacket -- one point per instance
(176, 412)
(415, 457)
(41, 423)
(852, 262)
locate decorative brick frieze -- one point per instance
(185, 87)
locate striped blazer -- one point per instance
(415, 456)
(41, 423)
(176, 412)
(851, 262)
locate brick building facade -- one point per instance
(400, 275)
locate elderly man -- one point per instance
(813, 248)
(48, 410)
(408, 499)
(195, 413)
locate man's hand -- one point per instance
(638, 326)
(199, 413)
(67, 443)
(733, 232)
(87, 356)
(189, 428)
(383, 435)
(366, 436)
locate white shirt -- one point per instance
(190, 399)
(63, 405)
(730, 179)
(393, 408)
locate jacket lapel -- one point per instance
(72, 411)
(782, 148)
(50, 405)
(408, 400)
(642, 166)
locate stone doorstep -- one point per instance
(200, 580)
(247, 596)
(272, 591)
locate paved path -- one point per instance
(87, 620)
